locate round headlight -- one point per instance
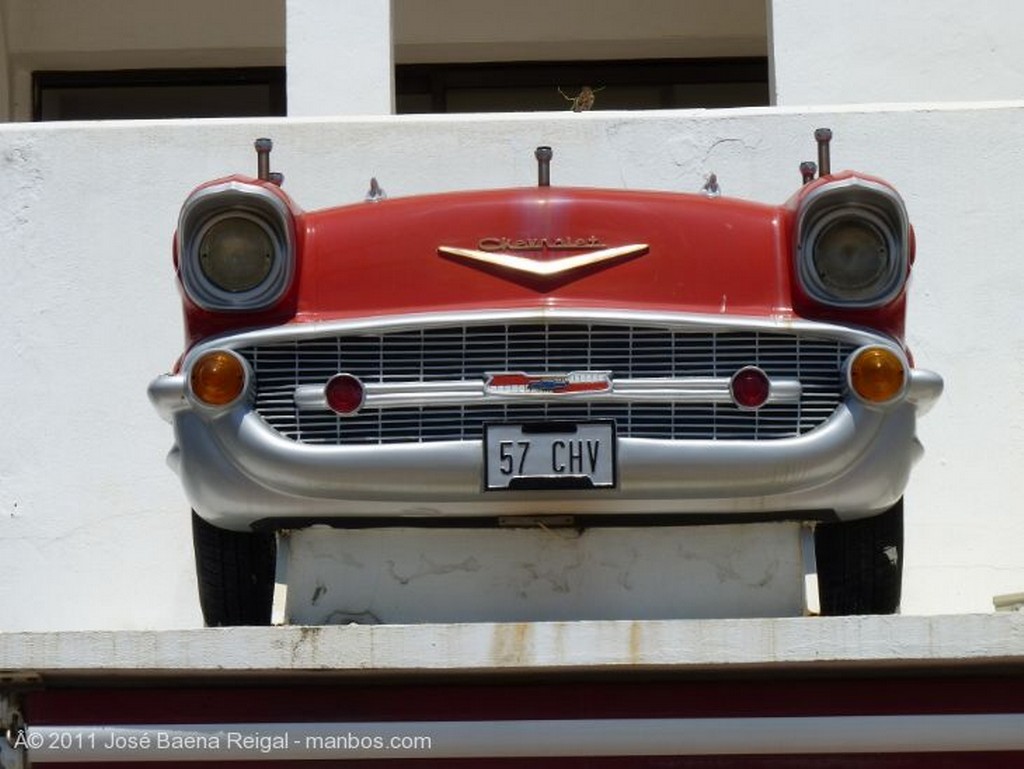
(236, 249)
(851, 259)
(236, 253)
(852, 246)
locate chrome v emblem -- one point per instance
(548, 268)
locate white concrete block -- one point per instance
(683, 647)
(374, 576)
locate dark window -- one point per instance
(475, 87)
(159, 93)
(530, 86)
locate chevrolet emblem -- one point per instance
(573, 383)
(545, 268)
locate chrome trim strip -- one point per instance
(923, 389)
(414, 321)
(383, 395)
(167, 394)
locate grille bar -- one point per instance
(470, 352)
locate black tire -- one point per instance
(860, 564)
(235, 571)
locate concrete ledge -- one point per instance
(594, 648)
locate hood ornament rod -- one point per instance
(807, 170)
(823, 136)
(263, 172)
(543, 155)
(263, 148)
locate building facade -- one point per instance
(925, 94)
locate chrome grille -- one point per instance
(470, 352)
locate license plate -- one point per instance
(553, 455)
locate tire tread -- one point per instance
(235, 573)
(860, 564)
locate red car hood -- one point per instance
(605, 248)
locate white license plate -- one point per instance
(553, 455)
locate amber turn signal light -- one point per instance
(218, 378)
(877, 374)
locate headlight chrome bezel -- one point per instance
(209, 206)
(875, 206)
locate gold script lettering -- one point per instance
(492, 244)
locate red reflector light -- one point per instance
(750, 388)
(344, 393)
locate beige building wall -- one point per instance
(576, 30)
(138, 34)
(5, 76)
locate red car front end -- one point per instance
(600, 356)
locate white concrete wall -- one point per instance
(339, 58)
(94, 531)
(908, 51)
(395, 576)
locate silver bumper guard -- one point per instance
(237, 470)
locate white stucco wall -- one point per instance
(94, 531)
(339, 58)
(908, 51)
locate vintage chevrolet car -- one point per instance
(547, 355)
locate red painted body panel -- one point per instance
(731, 696)
(736, 696)
(702, 253)
(706, 255)
(993, 760)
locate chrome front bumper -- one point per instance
(238, 471)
